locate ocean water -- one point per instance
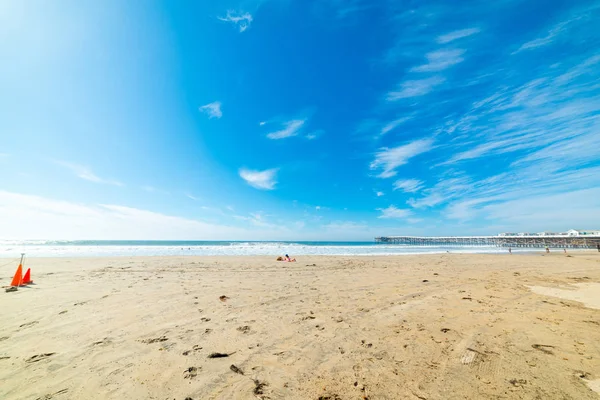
(93, 248)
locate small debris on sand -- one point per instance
(159, 339)
(223, 298)
(219, 355)
(236, 369)
(543, 348)
(259, 387)
(195, 348)
(517, 382)
(39, 357)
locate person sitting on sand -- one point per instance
(286, 258)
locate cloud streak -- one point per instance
(213, 110)
(440, 60)
(263, 180)
(408, 185)
(290, 128)
(389, 159)
(86, 173)
(415, 88)
(392, 212)
(240, 19)
(63, 220)
(390, 126)
(455, 35)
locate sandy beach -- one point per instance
(404, 327)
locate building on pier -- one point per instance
(584, 239)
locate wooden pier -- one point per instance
(551, 241)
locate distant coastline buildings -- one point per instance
(569, 233)
(573, 238)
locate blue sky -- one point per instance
(297, 120)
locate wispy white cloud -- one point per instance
(552, 34)
(347, 7)
(152, 189)
(440, 60)
(341, 9)
(583, 13)
(390, 126)
(394, 212)
(239, 18)
(537, 124)
(262, 123)
(213, 110)
(455, 35)
(408, 185)
(190, 196)
(379, 194)
(315, 134)
(257, 219)
(291, 128)
(86, 173)
(388, 159)
(57, 219)
(264, 180)
(415, 88)
(554, 114)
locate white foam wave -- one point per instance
(227, 249)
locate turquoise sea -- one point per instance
(99, 248)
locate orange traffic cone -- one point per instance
(18, 278)
(27, 278)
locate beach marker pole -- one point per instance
(27, 278)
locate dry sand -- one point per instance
(407, 327)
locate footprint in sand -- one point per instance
(150, 341)
(244, 329)
(102, 342)
(190, 373)
(51, 395)
(39, 357)
(195, 348)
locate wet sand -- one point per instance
(407, 327)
